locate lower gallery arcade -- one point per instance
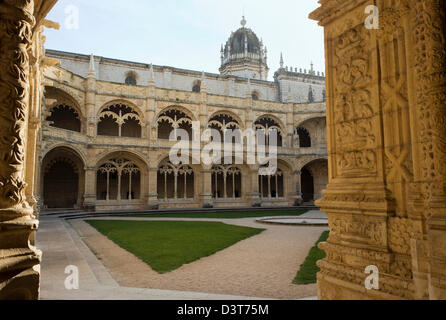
(123, 180)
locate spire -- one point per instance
(222, 54)
(312, 65)
(243, 22)
(281, 60)
(151, 75)
(91, 69)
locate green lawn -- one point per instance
(227, 214)
(309, 269)
(167, 245)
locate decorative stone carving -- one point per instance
(386, 201)
(20, 48)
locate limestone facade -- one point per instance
(104, 143)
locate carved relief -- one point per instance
(353, 114)
(15, 38)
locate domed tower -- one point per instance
(244, 55)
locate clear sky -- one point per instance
(186, 33)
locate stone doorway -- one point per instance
(62, 179)
(307, 183)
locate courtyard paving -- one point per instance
(259, 267)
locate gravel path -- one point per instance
(261, 266)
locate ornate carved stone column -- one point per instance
(253, 193)
(385, 125)
(153, 188)
(90, 100)
(427, 26)
(297, 183)
(19, 259)
(90, 189)
(206, 189)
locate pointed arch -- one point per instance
(120, 119)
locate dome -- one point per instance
(237, 42)
(244, 55)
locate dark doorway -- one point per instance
(60, 186)
(307, 183)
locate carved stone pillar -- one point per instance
(206, 191)
(90, 100)
(385, 127)
(153, 188)
(428, 29)
(254, 191)
(19, 259)
(297, 182)
(90, 189)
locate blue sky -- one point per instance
(187, 33)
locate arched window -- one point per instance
(175, 182)
(171, 120)
(223, 122)
(269, 126)
(64, 117)
(196, 87)
(304, 137)
(255, 95)
(226, 182)
(119, 120)
(271, 186)
(130, 80)
(118, 179)
(310, 95)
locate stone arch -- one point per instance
(61, 94)
(273, 117)
(271, 122)
(314, 179)
(120, 177)
(230, 114)
(65, 112)
(304, 138)
(175, 182)
(171, 119)
(134, 155)
(120, 119)
(80, 153)
(316, 127)
(177, 107)
(62, 178)
(275, 186)
(126, 102)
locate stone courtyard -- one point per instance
(247, 270)
(383, 109)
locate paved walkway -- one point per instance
(250, 269)
(62, 247)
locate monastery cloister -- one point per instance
(386, 135)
